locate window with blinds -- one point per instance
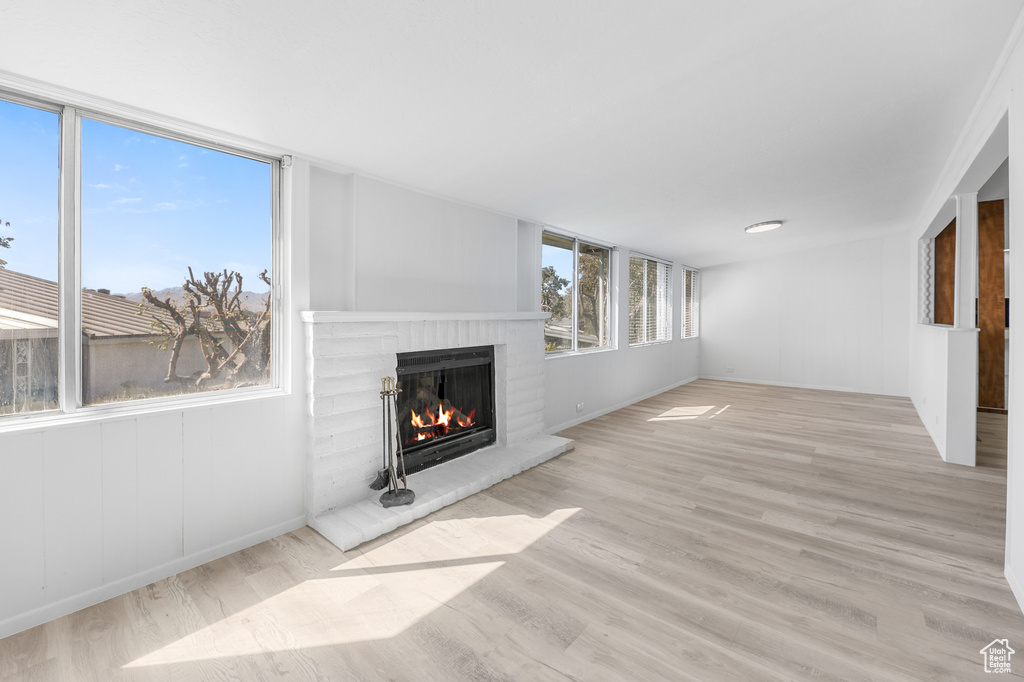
(691, 303)
(650, 300)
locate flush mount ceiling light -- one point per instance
(763, 227)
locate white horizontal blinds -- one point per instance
(659, 301)
(637, 300)
(691, 303)
(650, 300)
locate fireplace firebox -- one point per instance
(446, 404)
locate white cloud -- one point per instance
(119, 167)
(127, 200)
(103, 185)
(182, 165)
(162, 206)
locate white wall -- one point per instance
(944, 376)
(833, 318)
(332, 264)
(975, 155)
(419, 252)
(92, 510)
(1015, 404)
(607, 380)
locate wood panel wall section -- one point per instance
(991, 307)
(945, 273)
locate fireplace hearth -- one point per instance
(446, 404)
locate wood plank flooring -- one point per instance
(991, 451)
(719, 531)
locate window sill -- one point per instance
(577, 353)
(130, 410)
(650, 343)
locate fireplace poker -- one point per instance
(384, 475)
(394, 495)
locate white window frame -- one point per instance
(691, 308)
(576, 241)
(668, 322)
(69, 271)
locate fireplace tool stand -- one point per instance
(394, 496)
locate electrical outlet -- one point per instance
(579, 407)
(730, 370)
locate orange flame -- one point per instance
(441, 423)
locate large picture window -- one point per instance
(191, 313)
(575, 278)
(691, 303)
(153, 279)
(650, 300)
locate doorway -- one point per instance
(992, 318)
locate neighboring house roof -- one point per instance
(12, 320)
(28, 302)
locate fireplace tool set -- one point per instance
(388, 476)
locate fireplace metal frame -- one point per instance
(434, 452)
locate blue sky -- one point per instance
(560, 258)
(151, 207)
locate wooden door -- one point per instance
(945, 274)
(991, 307)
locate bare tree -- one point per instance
(593, 292)
(235, 340)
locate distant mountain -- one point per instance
(250, 300)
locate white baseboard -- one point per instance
(618, 406)
(787, 384)
(1015, 586)
(48, 612)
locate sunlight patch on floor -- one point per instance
(378, 594)
(680, 413)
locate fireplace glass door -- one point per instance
(446, 404)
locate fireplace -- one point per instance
(349, 352)
(446, 404)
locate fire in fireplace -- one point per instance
(446, 404)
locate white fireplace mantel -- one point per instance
(347, 354)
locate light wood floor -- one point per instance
(716, 532)
(991, 450)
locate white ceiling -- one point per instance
(663, 125)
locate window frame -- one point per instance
(691, 308)
(69, 248)
(668, 298)
(611, 306)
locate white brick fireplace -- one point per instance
(349, 352)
